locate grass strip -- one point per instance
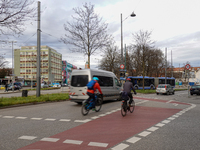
(33, 99)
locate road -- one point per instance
(158, 122)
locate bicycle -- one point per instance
(86, 107)
(125, 107)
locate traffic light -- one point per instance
(122, 74)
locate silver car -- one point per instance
(164, 89)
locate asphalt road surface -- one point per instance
(159, 122)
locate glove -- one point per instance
(135, 93)
(101, 95)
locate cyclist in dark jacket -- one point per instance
(128, 86)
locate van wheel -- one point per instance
(80, 103)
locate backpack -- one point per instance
(91, 84)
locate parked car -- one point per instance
(195, 89)
(164, 89)
(64, 85)
(16, 87)
(56, 85)
(44, 85)
(18, 84)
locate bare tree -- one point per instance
(87, 33)
(111, 58)
(2, 61)
(14, 14)
(143, 45)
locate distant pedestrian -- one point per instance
(6, 87)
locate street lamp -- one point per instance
(132, 15)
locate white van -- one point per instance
(110, 85)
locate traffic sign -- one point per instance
(187, 66)
(122, 66)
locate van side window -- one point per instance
(117, 82)
(105, 81)
(79, 80)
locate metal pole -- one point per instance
(38, 54)
(121, 41)
(165, 65)
(125, 57)
(171, 64)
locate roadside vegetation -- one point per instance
(33, 99)
(154, 91)
(4, 102)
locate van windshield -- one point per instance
(79, 80)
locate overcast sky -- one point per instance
(175, 25)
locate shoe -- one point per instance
(130, 105)
(93, 109)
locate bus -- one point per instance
(150, 82)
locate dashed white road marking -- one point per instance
(73, 142)
(102, 115)
(133, 140)
(120, 147)
(49, 119)
(65, 120)
(166, 121)
(144, 133)
(160, 124)
(20, 117)
(27, 137)
(36, 118)
(153, 129)
(84, 121)
(8, 117)
(175, 104)
(98, 144)
(50, 139)
(171, 118)
(169, 101)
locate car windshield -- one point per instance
(195, 86)
(161, 86)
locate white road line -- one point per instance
(108, 113)
(153, 129)
(49, 139)
(175, 116)
(36, 118)
(20, 117)
(84, 121)
(97, 144)
(27, 137)
(166, 121)
(160, 124)
(95, 117)
(175, 104)
(171, 118)
(65, 120)
(73, 142)
(8, 117)
(133, 140)
(49, 119)
(120, 147)
(102, 115)
(144, 133)
(169, 101)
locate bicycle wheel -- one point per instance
(98, 105)
(84, 109)
(132, 107)
(123, 108)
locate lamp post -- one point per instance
(132, 15)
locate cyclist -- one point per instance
(128, 86)
(90, 92)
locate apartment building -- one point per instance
(25, 64)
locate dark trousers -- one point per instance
(131, 97)
(91, 97)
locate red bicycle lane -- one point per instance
(108, 130)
